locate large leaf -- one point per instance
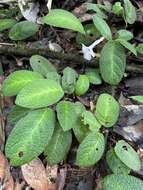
(127, 45)
(16, 113)
(6, 24)
(63, 19)
(130, 12)
(90, 150)
(122, 182)
(102, 27)
(40, 93)
(107, 110)
(18, 80)
(127, 155)
(23, 30)
(66, 115)
(93, 76)
(115, 164)
(125, 35)
(41, 64)
(58, 146)
(30, 136)
(112, 62)
(82, 85)
(137, 98)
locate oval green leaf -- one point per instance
(39, 93)
(6, 24)
(125, 35)
(82, 85)
(139, 48)
(63, 19)
(23, 30)
(18, 80)
(90, 150)
(112, 62)
(121, 182)
(93, 76)
(127, 155)
(107, 110)
(30, 136)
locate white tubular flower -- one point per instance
(88, 52)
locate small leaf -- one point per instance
(41, 64)
(69, 80)
(82, 85)
(137, 98)
(63, 19)
(89, 119)
(18, 80)
(117, 9)
(66, 119)
(121, 182)
(93, 76)
(6, 24)
(127, 155)
(115, 163)
(58, 146)
(30, 136)
(127, 45)
(23, 30)
(139, 48)
(112, 62)
(102, 27)
(90, 150)
(16, 113)
(39, 93)
(107, 110)
(125, 35)
(130, 12)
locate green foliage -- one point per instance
(107, 110)
(54, 76)
(115, 164)
(58, 146)
(125, 35)
(39, 93)
(137, 98)
(63, 19)
(121, 182)
(16, 81)
(90, 150)
(128, 155)
(82, 85)
(102, 27)
(117, 8)
(139, 48)
(7, 24)
(93, 76)
(23, 30)
(112, 63)
(30, 136)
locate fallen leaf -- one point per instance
(34, 174)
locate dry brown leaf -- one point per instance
(34, 174)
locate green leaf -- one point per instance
(40, 93)
(63, 19)
(30, 136)
(121, 182)
(66, 115)
(6, 24)
(102, 27)
(79, 129)
(127, 45)
(18, 80)
(112, 63)
(16, 113)
(139, 48)
(41, 64)
(137, 98)
(82, 85)
(23, 30)
(127, 155)
(90, 150)
(130, 12)
(125, 35)
(117, 9)
(58, 146)
(93, 76)
(89, 119)
(115, 163)
(107, 110)
(69, 80)
(54, 76)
